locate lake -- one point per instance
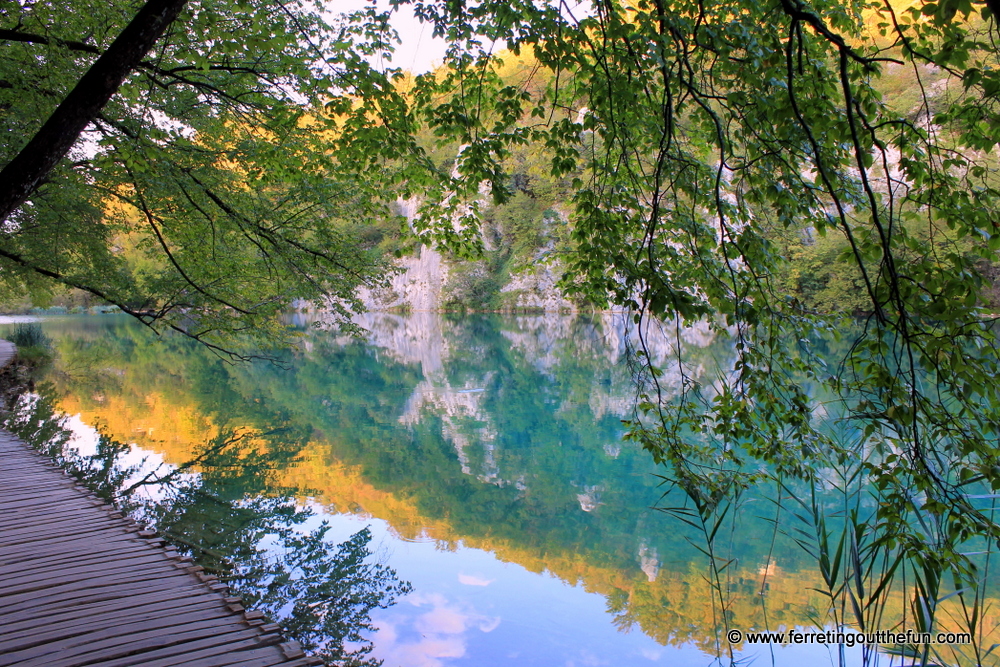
(485, 452)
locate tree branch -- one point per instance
(22, 176)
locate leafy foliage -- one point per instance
(224, 179)
(707, 136)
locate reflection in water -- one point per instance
(442, 625)
(486, 455)
(231, 521)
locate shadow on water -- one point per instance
(224, 509)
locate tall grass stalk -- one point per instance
(28, 334)
(879, 568)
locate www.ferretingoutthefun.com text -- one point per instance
(849, 638)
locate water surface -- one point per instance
(486, 454)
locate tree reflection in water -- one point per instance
(224, 509)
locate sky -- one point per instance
(419, 51)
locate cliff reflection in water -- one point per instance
(486, 432)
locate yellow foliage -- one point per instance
(674, 607)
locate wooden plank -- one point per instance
(108, 549)
(99, 534)
(21, 467)
(18, 487)
(57, 494)
(55, 564)
(306, 661)
(208, 653)
(18, 558)
(165, 600)
(98, 593)
(102, 615)
(26, 582)
(264, 659)
(104, 588)
(62, 509)
(12, 510)
(65, 508)
(97, 555)
(24, 488)
(93, 628)
(81, 588)
(75, 570)
(187, 587)
(58, 530)
(31, 478)
(22, 481)
(135, 643)
(51, 543)
(116, 537)
(66, 636)
(32, 464)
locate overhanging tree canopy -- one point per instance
(207, 191)
(704, 136)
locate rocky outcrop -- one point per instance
(536, 289)
(423, 279)
(417, 286)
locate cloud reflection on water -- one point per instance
(474, 580)
(426, 638)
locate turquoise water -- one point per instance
(486, 455)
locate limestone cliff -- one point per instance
(428, 280)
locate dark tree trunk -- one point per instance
(994, 6)
(51, 143)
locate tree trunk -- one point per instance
(50, 144)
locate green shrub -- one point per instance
(29, 335)
(34, 349)
(473, 285)
(34, 356)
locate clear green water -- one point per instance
(485, 453)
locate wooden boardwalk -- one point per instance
(81, 585)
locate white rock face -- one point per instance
(457, 407)
(459, 402)
(536, 289)
(417, 287)
(414, 338)
(424, 278)
(590, 499)
(461, 397)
